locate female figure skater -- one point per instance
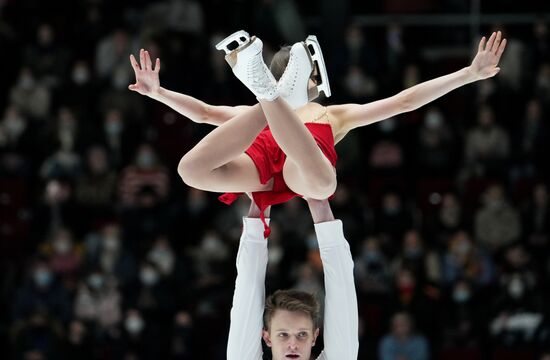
(295, 154)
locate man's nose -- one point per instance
(293, 343)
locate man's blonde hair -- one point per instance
(291, 300)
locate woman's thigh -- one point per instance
(238, 175)
(310, 185)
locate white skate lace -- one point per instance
(288, 80)
(263, 84)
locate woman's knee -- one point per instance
(189, 170)
(322, 186)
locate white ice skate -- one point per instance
(293, 84)
(244, 55)
(319, 64)
(305, 58)
(233, 41)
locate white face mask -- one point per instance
(80, 75)
(26, 81)
(433, 120)
(61, 247)
(134, 325)
(516, 288)
(95, 281)
(387, 126)
(111, 243)
(14, 126)
(149, 277)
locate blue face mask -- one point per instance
(43, 278)
(461, 296)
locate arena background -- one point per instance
(106, 254)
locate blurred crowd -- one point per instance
(106, 254)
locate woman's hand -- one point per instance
(147, 77)
(485, 63)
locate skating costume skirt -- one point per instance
(270, 159)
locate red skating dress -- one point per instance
(270, 159)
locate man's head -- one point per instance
(291, 324)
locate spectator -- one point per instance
(42, 293)
(65, 256)
(465, 260)
(96, 189)
(536, 223)
(98, 302)
(402, 342)
(414, 256)
(372, 269)
(113, 258)
(487, 146)
(145, 171)
(31, 96)
(497, 223)
(435, 150)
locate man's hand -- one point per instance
(254, 211)
(488, 55)
(147, 77)
(320, 210)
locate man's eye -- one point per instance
(283, 334)
(302, 334)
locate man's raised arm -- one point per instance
(245, 332)
(341, 324)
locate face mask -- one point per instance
(111, 243)
(61, 247)
(81, 75)
(163, 258)
(433, 120)
(43, 278)
(464, 248)
(495, 204)
(146, 160)
(120, 79)
(516, 288)
(14, 126)
(387, 126)
(461, 296)
(113, 127)
(26, 82)
(95, 281)
(413, 253)
(373, 256)
(149, 277)
(134, 325)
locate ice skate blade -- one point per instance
(233, 41)
(316, 54)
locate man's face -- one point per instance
(291, 335)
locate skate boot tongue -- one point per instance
(293, 85)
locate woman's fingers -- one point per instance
(148, 64)
(482, 44)
(142, 59)
(490, 42)
(496, 43)
(501, 48)
(134, 63)
(157, 66)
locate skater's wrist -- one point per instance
(157, 94)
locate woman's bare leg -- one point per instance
(307, 171)
(218, 162)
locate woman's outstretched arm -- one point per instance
(483, 66)
(148, 83)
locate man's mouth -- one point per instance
(292, 356)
